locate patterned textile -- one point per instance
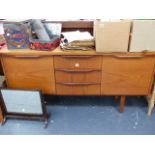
(36, 45)
(16, 36)
(44, 36)
(2, 42)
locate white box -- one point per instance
(143, 36)
(112, 36)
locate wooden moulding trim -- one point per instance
(120, 55)
(78, 84)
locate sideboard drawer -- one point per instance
(85, 75)
(78, 62)
(78, 88)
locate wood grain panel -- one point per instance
(126, 76)
(64, 89)
(30, 73)
(84, 75)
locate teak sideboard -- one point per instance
(80, 72)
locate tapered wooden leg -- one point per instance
(151, 103)
(122, 101)
(149, 112)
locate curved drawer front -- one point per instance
(78, 88)
(78, 62)
(85, 75)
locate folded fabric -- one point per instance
(83, 43)
(40, 30)
(1, 29)
(76, 40)
(44, 36)
(53, 29)
(77, 35)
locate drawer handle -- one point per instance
(77, 56)
(77, 84)
(78, 71)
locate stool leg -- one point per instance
(121, 106)
(150, 105)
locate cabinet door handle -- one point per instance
(124, 55)
(27, 56)
(143, 55)
(78, 71)
(77, 84)
(129, 57)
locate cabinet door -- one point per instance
(127, 76)
(30, 72)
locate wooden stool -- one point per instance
(151, 101)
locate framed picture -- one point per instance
(24, 104)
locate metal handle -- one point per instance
(77, 84)
(78, 71)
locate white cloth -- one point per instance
(1, 29)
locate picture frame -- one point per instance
(23, 104)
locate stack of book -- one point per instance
(76, 40)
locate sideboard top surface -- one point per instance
(58, 51)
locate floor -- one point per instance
(87, 115)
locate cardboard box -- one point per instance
(143, 36)
(112, 36)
